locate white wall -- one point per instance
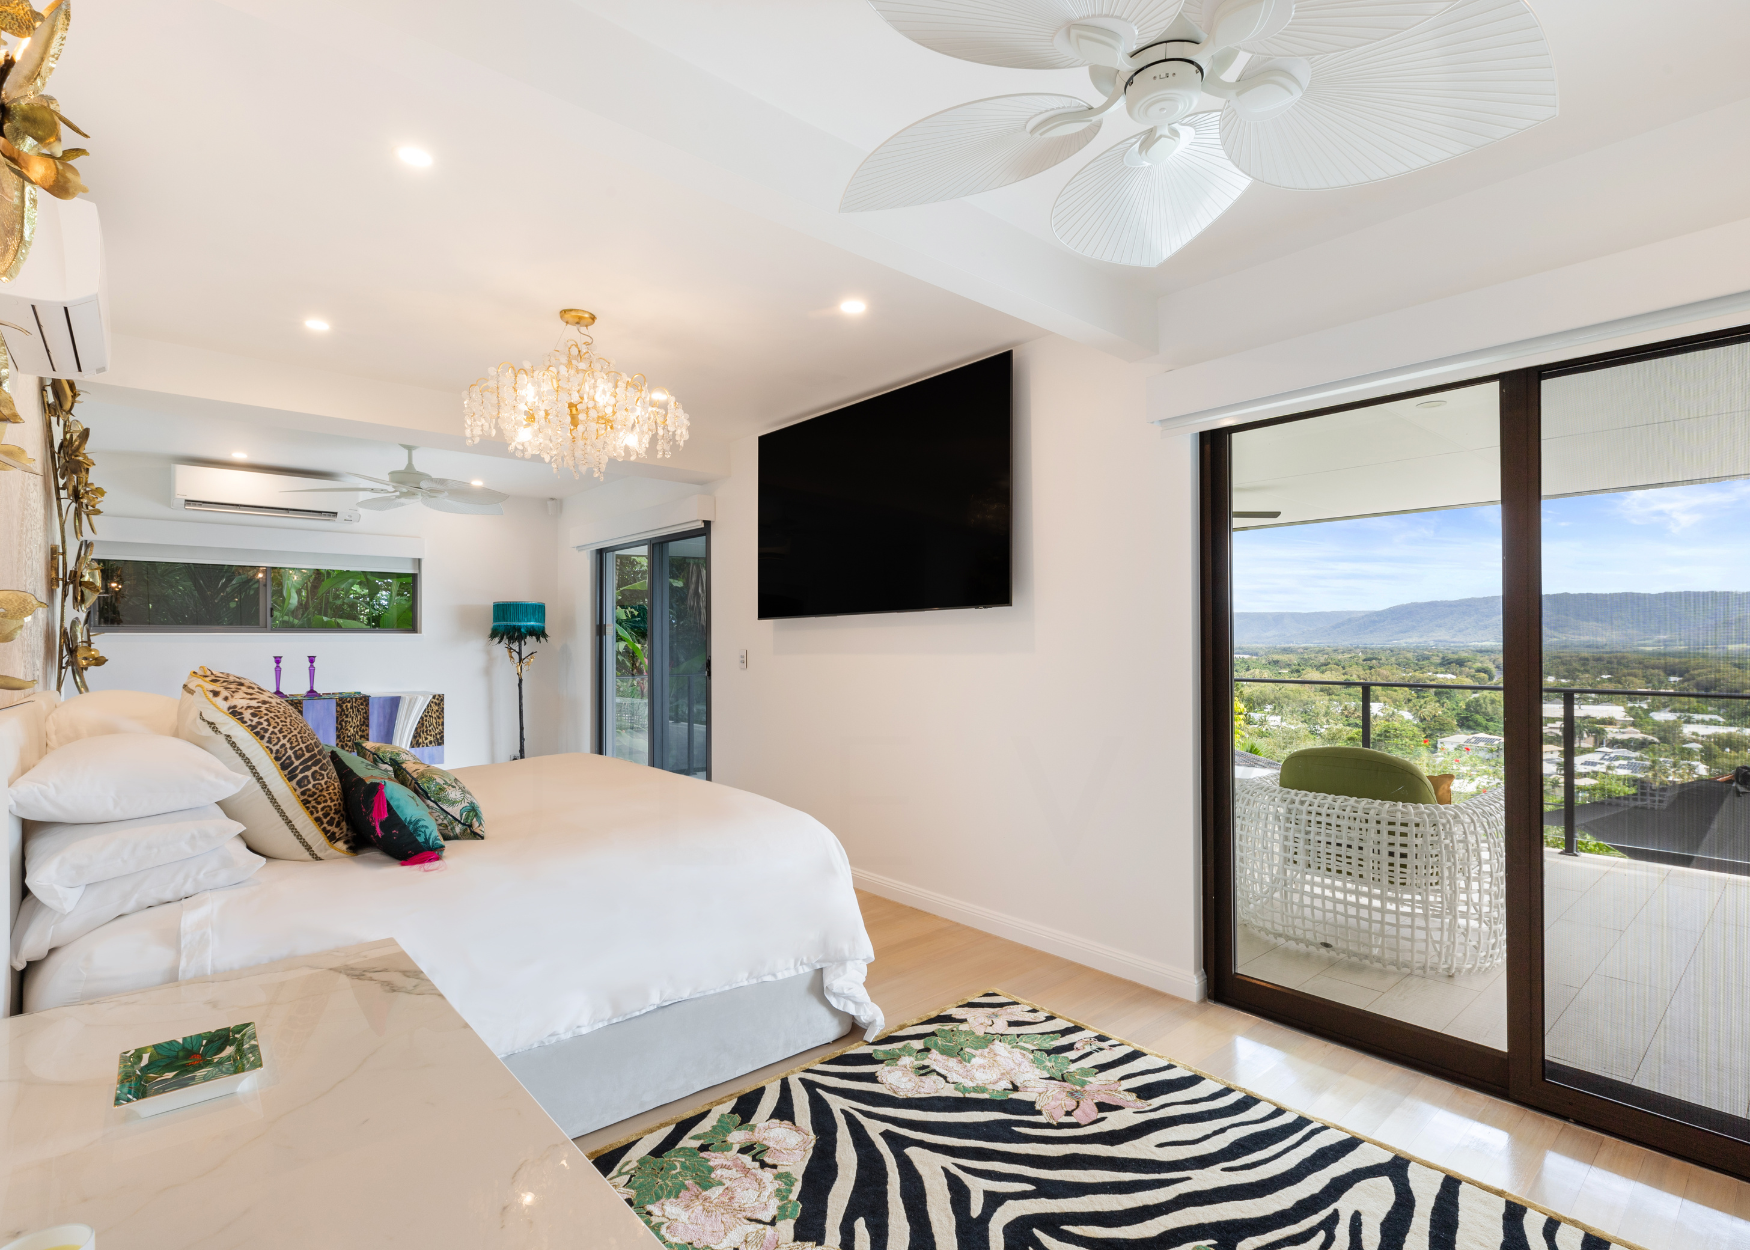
(1031, 770)
(469, 562)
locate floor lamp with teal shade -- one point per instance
(516, 624)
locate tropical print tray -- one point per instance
(183, 1062)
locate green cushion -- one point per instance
(1357, 772)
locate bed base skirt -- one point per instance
(606, 1075)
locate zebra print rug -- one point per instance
(995, 1124)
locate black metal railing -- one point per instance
(1570, 827)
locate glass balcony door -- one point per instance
(1646, 713)
(1531, 588)
(654, 636)
(1364, 558)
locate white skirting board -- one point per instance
(1120, 963)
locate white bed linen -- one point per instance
(603, 890)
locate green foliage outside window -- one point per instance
(341, 599)
(165, 595)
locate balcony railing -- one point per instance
(1570, 828)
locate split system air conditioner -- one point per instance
(54, 315)
(198, 488)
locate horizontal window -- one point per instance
(176, 597)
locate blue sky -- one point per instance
(1676, 538)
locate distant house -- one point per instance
(1476, 744)
(1380, 709)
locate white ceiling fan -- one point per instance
(1293, 93)
(410, 485)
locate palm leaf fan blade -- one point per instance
(1469, 76)
(961, 151)
(1127, 211)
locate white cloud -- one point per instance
(1677, 508)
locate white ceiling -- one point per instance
(675, 166)
(209, 438)
(1615, 80)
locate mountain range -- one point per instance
(1672, 620)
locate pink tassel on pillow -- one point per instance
(379, 811)
(424, 857)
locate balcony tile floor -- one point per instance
(1647, 979)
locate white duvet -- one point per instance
(603, 890)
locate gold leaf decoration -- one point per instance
(67, 183)
(8, 409)
(17, 221)
(32, 72)
(88, 656)
(87, 576)
(17, 607)
(16, 683)
(18, 18)
(17, 458)
(58, 178)
(36, 122)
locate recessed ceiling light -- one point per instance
(1432, 403)
(853, 306)
(477, 482)
(239, 455)
(315, 323)
(415, 156)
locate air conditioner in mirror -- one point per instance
(54, 315)
(198, 488)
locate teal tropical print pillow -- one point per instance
(453, 807)
(385, 814)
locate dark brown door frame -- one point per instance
(1519, 1075)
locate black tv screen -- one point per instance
(898, 503)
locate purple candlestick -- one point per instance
(276, 676)
(312, 692)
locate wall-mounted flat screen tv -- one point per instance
(898, 503)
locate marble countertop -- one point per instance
(380, 1119)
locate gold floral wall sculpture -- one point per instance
(33, 155)
(45, 483)
(74, 573)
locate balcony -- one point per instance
(1647, 980)
(1647, 944)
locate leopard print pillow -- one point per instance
(291, 807)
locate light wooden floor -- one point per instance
(923, 963)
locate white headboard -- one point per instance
(21, 746)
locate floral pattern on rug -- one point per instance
(714, 1194)
(974, 1062)
(995, 1125)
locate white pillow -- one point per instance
(39, 930)
(111, 712)
(60, 860)
(119, 776)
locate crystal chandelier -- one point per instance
(575, 409)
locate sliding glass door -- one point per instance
(1477, 734)
(1365, 565)
(654, 631)
(1646, 661)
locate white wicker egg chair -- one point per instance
(1418, 887)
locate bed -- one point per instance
(622, 938)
